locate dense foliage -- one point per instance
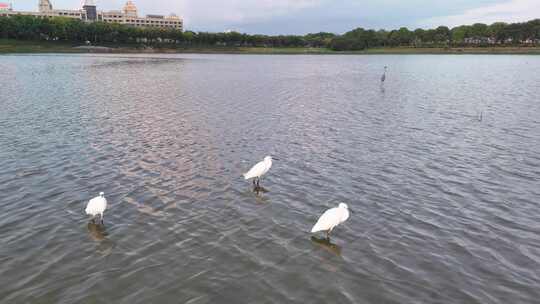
(476, 34)
(76, 31)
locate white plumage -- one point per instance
(96, 206)
(331, 218)
(259, 169)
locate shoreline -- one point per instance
(31, 47)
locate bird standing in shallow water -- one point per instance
(331, 218)
(259, 170)
(96, 206)
(383, 77)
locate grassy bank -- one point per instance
(457, 50)
(20, 46)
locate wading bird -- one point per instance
(331, 218)
(383, 77)
(259, 170)
(96, 206)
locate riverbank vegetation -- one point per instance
(10, 46)
(66, 32)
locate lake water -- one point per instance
(441, 166)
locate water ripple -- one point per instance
(445, 205)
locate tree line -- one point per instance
(480, 34)
(76, 31)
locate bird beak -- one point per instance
(350, 210)
(273, 158)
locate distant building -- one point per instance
(5, 6)
(45, 6)
(480, 40)
(89, 13)
(129, 16)
(530, 41)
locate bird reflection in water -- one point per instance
(97, 231)
(99, 234)
(327, 245)
(259, 189)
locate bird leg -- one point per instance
(101, 219)
(328, 234)
(258, 181)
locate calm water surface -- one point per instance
(447, 207)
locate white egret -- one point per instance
(383, 77)
(259, 170)
(96, 206)
(331, 218)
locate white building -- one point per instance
(129, 16)
(89, 13)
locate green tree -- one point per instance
(442, 34)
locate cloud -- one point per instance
(238, 12)
(509, 11)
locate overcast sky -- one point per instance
(304, 16)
